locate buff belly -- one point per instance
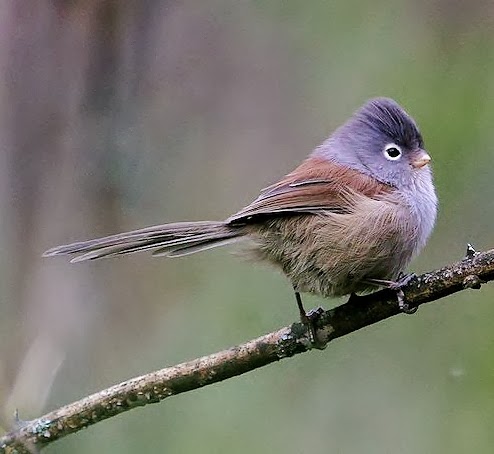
(336, 254)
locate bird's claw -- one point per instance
(471, 251)
(402, 281)
(310, 320)
(397, 286)
(403, 305)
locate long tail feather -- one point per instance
(174, 240)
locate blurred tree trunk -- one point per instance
(68, 83)
(96, 96)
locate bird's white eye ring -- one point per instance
(392, 152)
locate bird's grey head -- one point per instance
(380, 140)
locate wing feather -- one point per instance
(317, 185)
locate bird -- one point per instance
(346, 221)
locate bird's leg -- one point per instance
(309, 319)
(18, 422)
(403, 279)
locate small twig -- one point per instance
(471, 272)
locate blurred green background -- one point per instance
(116, 115)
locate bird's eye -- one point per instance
(392, 152)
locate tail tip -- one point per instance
(51, 252)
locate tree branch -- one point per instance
(358, 313)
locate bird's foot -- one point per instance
(309, 319)
(471, 251)
(403, 305)
(397, 286)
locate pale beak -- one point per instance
(420, 159)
